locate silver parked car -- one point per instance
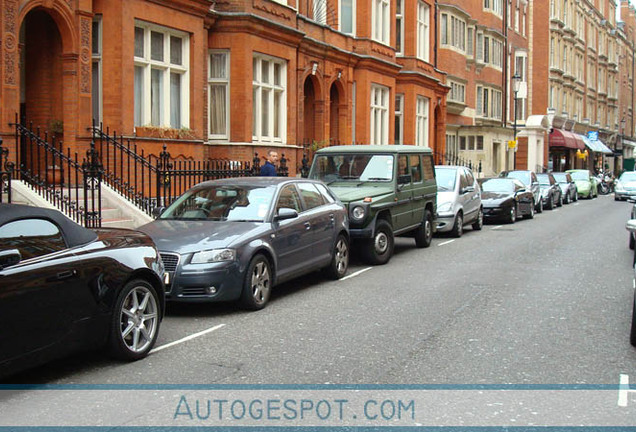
(234, 239)
(458, 200)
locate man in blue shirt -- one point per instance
(269, 169)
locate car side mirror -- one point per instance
(285, 213)
(157, 211)
(468, 189)
(535, 183)
(9, 257)
(631, 225)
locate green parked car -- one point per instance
(388, 190)
(586, 183)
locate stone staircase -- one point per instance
(117, 212)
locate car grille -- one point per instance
(170, 261)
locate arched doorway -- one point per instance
(334, 115)
(309, 111)
(41, 83)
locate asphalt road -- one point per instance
(540, 301)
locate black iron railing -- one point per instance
(454, 159)
(71, 184)
(150, 181)
(6, 173)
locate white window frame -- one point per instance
(96, 62)
(273, 90)
(422, 113)
(423, 30)
(380, 24)
(399, 23)
(214, 82)
(399, 118)
(144, 116)
(457, 89)
(353, 17)
(379, 120)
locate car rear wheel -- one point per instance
(632, 241)
(257, 286)
(424, 234)
(560, 201)
(566, 200)
(576, 196)
(339, 258)
(479, 223)
(135, 321)
(379, 249)
(540, 206)
(458, 228)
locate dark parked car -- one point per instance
(567, 185)
(631, 227)
(529, 179)
(506, 199)
(234, 239)
(550, 191)
(64, 288)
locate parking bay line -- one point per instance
(356, 273)
(497, 227)
(446, 242)
(187, 338)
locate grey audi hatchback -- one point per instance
(234, 239)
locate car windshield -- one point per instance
(524, 176)
(358, 167)
(445, 178)
(560, 177)
(222, 203)
(629, 176)
(543, 179)
(580, 175)
(497, 185)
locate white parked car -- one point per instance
(458, 200)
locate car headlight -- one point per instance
(444, 207)
(214, 255)
(358, 213)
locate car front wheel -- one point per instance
(135, 321)
(379, 249)
(458, 228)
(339, 258)
(257, 286)
(512, 216)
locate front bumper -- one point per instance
(213, 282)
(496, 212)
(445, 222)
(624, 194)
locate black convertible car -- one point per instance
(65, 288)
(506, 199)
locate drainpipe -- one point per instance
(435, 38)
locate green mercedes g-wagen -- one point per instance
(389, 191)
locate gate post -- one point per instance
(92, 171)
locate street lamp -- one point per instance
(516, 84)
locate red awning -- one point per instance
(561, 138)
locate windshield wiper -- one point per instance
(378, 179)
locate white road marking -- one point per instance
(356, 273)
(446, 242)
(187, 338)
(497, 227)
(576, 203)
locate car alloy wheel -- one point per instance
(135, 321)
(340, 258)
(458, 228)
(258, 284)
(424, 233)
(379, 249)
(512, 217)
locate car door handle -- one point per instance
(307, 226)
(66, 274)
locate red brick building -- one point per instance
(482, 45)
(224, 79)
